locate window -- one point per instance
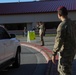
(3, 34)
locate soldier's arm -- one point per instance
(58, 40)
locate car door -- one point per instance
(2, 46)
(9, 48)
(8, 44)
(2, 55)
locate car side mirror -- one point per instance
(12, 35)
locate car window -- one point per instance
(3, 34)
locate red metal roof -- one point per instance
(36, 7)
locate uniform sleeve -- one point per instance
(58, 40)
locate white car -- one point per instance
(10, 49)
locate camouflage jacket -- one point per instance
(64, 40)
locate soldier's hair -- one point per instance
(62, 11)
(41, 22)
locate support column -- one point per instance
(29, 26)
(34, 25)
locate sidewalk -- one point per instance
(47, 52)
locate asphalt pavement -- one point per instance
(46, 51)
(32, 63)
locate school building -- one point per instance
(17, 15)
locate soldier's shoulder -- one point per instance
(61, 25)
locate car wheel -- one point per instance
(16, 64)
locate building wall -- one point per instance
(45, 17)
(27, 18)
(32, 19)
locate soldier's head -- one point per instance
(62, 12)
(41, 23)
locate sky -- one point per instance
(8, 1)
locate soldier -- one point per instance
(64, 43)
(25, 31)
(41, 32)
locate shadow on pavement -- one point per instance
(26, 69)
(53, 69)
(74, 67)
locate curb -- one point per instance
(44, 51)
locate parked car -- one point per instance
(10, 49)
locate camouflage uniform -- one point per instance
(65, 45)
(41, 33)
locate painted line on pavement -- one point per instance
(39, 49)
(44, 51)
